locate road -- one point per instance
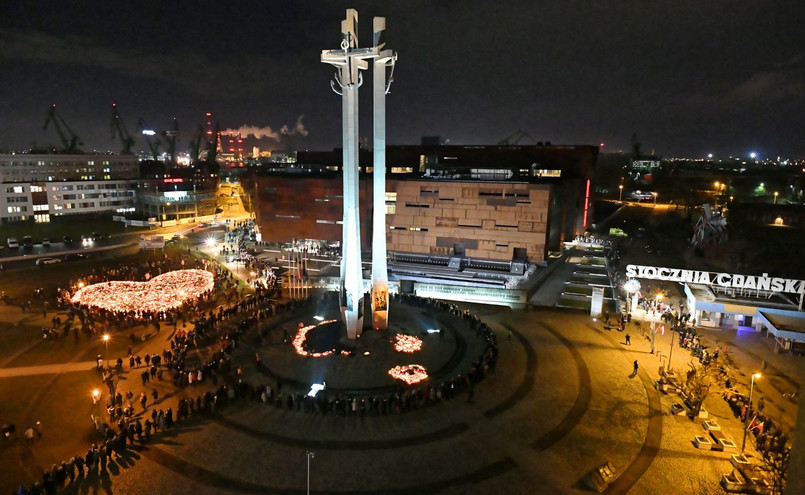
(233, 210)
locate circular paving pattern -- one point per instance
(473, 445)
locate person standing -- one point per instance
(629, 341)
(635, 366)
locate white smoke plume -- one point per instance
(268, 132)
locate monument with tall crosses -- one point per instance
(349, 60)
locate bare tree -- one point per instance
(700, 379)
(775, 464)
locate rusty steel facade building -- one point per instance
(487, 202)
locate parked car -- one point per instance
(47, 261)
(12, 243)
(67, 239)
(46, 242)
(27, 242)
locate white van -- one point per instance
(12, 243)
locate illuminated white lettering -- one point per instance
(791, 285)
(777, 284)
(738, 281)
(764, 282)
(723, 279)
(750, 282)
(662, 273)
(650, 271)
(687, 276)
(703, 278)
(631, 271)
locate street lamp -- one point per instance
(775, 197)
(106, 338)
(671, 352)
(655, 198)
(620, 193)
(310, 456)
(746, 418)
(632, 287)
(654, 329)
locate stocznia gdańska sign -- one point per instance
(725, 280)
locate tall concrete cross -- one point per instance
(349, 60)
(380, 279)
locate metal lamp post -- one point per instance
(310, 456)
(671, 352)
(631, 286)
(620, 193)
(746, 418)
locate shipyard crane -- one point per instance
(195, 144)
(150, 138)
(119, 129)
(170, 137)
(70, 141)
(515, 138)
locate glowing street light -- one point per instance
(775, 196)
(655, 198)
(746, 418)
(96, 395)
(620, 193)
(632, 287)
(210, 242)
(106, 337)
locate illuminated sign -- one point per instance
(723, 280)
(174, 181)
(175, 194)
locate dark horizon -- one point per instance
(688, 79)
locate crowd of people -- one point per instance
(124, 423)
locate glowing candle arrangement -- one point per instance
(410, 373)
(162, 293)
(301, 336)
(407, 343)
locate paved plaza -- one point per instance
(562, 400)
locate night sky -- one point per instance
(689, 78)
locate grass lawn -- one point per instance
(20, 285)
(58, 227)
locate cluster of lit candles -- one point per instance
(162, 293)
(410, 373)
(407, 343)
(300, 337)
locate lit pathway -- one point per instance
(47, 369)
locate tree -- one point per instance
(635, 147)
(699, 380)
(775, 464)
